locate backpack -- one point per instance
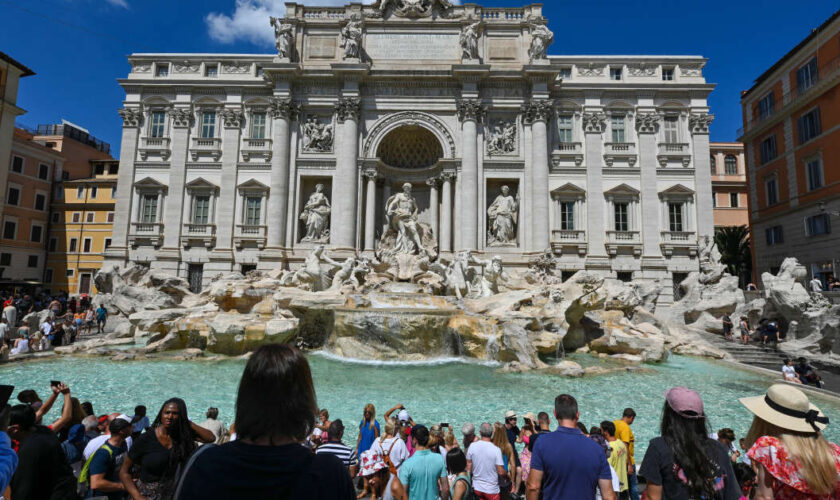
(84, 476)
(470, 493)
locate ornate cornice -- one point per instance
(538, 110)
(348, 108)
(594, 122)
(699, 123)
(283, 108)
(233, 118)
(181, 117)
(648, 123)
(132, 117)
(470, 109)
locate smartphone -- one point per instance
(444, 424)
(55, 383)
(5, 393)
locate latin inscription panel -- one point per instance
(440, 47)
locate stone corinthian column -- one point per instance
(470, 112)
(233, 120)
(594, 123)
(537, 113)
(446, 214)
(433, 208)
(346, 181)
(647, 124)
(370, 211)
(699, 123)
(282, 113)
(173, 211)
(132, 120)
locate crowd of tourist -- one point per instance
(283, 446)
(68, 318)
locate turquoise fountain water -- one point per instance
(451, 391)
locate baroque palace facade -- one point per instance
(237, 162)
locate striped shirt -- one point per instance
(344, 453)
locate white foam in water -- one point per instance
(423, 362)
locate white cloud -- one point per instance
(249, 20)
(118, 3)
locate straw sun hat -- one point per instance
(787, 407)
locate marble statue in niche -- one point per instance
(316, 216)
(317, 136)
(401, 215)
(469, 41)
(503, 218)
(541, 38)
(283, 37)
(351, 38)
(502, 139)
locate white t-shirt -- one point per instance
(399, 453)
(788, 371)
(4, 329)
(616, 485)
(97, 442)
(816, 285)
(485, 456)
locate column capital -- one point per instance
(538, 110)
(470, 110)
(699, 123)
(233, 118)
(371, 174)
(594, 122)
(432, 182)
(648, 122)
(448, 176)
(281, 107)
(181, 117)
(348, 108)
(132, 117)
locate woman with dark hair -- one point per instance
(162, 452)
(684, 463)
(275, 412)
(456, 466)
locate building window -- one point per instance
(617, 127)
(87, 243)
(107, 242)
(10, 230)
(567, 215)
(768, 149)
(110, 217)
(43, 171)
(622, 216)
(17, 164)
(211, 70)
(158, 125)
(56, 217)
(48, 276)
(713, 163)
(260, 71)
(77, 217)
(766, 105)
(730, 165)
(13, 198)
(258, 126)
(162, 69)
(5, 259)
(564, 127)
(714, 200)
(625, 276)
(114, 193)
(809, 125)
(74, 244)
(807, 76)
(40, 202)
(670, 129)
(32, 261)
(667, 74)
(208, 124)
(771, 186)
(59, 192)
(675, 217)
(90, 217)
(148, 208)
(615, 74)
(565, 73)
(70, 273)
(774, 235)
(114, 169)
(80, 192)
(201, 210)
(100, 169)
(816, 225)
(733, 200)
(35, 234)
(814, 172)
(53, 246)
(253, 207)
(93, 192)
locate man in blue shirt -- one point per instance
(565, 464)
(8, 457)
(423, 476)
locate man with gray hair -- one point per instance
(468, 430)
(484, 461)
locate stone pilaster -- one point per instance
(699, 125)
(647, 124)
(282, 111)
(434, 204)
(232, 120)
(470, 112)
(538, 112)
(346, 181)
(174, 205)
(370, 211)
(446, 213)
(132, 120)
(594, 124)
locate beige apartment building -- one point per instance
(729, 184)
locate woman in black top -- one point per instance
(162, 452)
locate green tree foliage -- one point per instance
(733, 243)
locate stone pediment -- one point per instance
(201, 184)
(252, 185)
(149, 184)
(677, 190)
(569, 189)
(622, 190)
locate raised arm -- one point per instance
(47, 406)
(66, 412)
(202, 434)
(392, 410)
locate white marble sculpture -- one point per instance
(469, 41)
(541, 38)
(283, 37)
(315, 274)
(316, 216)
(502, 215)
(487, 283)
(351, 38)
(502, 140)
(317, 136)
(401, 215)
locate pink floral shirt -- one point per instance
(789, 484)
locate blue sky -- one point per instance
(78, 48)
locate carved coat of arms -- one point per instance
(411, 8)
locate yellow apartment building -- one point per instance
(81, 226)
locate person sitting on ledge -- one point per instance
(789, 372)
(807, 374)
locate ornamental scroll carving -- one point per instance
(470, 109)
(186, 67)
(538, 110)
(348, 108)
(591, 70)
(181, 117)
(283, 108)
(236, 68)
(132, 117)
(648, 123)
(699, 123)
(142, 68)
(641, 70)
(233, 118)
(594, 122)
